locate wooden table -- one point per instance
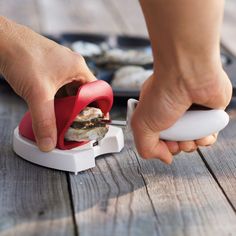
(123, 194)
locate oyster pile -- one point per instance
(125, 67)
(88, 125)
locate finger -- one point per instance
(148, 144)
(173, 147)
(152, 148)
(81, 75)
(207, 141)
(84, 74)
(72, 88)
(187, 146)
(43, 122)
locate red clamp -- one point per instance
(99, 93)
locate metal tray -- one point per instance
(122, 41)
(109, 41)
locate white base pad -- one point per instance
(74, 160)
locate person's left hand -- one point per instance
(36, 68)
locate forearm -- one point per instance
(185, 34)
(5, 32)
(16, 40)
(11, 37)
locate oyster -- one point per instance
(88, 125)
(130, 77)
(86, 49)
(116, 57)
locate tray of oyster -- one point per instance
(124, 61)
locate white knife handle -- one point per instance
(191, 126)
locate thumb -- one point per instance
(156, 111)
(147, 141)
(43, 122)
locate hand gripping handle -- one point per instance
(192, 125)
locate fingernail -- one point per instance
(46, 144)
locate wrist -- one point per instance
(193, 67)
(211, 88)
(192, 62)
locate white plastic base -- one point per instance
(74, 160)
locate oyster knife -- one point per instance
(194, 124)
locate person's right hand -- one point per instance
(163, 100)
(36, 68)
(185, 39)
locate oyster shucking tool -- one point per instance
(76, 156)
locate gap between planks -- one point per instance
(122, 186)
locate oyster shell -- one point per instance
(117, 56)
(86, 49)
(130, 77)
(86, 134)
(88, 114)
(88, 125)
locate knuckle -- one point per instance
(79, 59)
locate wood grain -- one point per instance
(222, 158)
(92, 16)
(128, 16)
(33, 200)
(125, 195)
(22, 11)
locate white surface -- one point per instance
(74, 160)
(191, 126)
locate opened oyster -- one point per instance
(86, 49)
(116, 57)
(130, 77)
(88, 125)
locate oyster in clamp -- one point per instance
(88, 125)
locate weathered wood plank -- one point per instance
(121, 195)
(129, 17)
(95, 16)
(222, 158)
(124, 195)
(33, 200)
(105, 199)
(22, 11)
(59, 16)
